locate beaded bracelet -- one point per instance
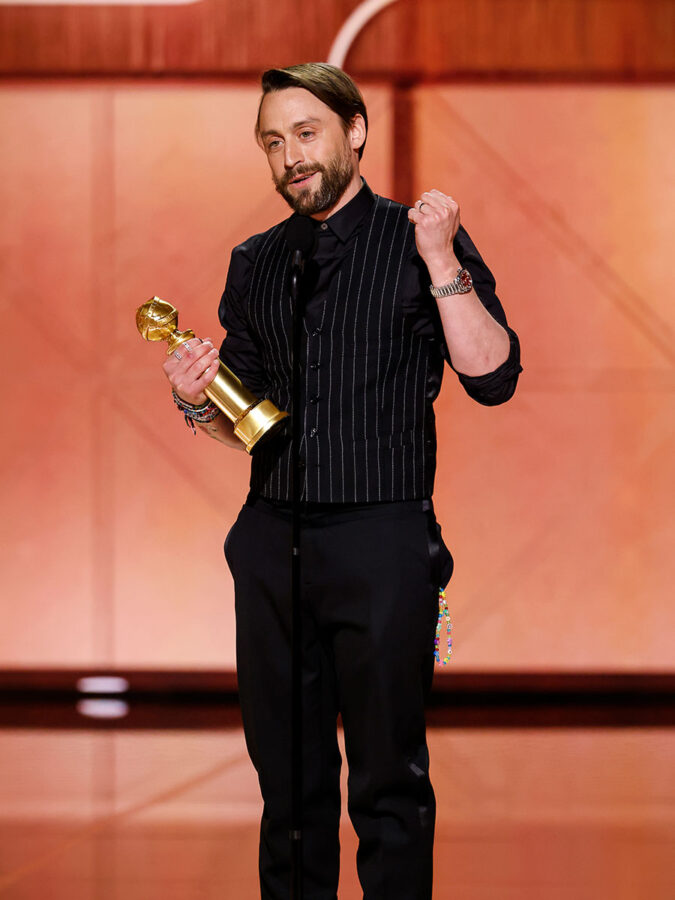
(201, 414)
(442, 611)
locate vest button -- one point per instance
(316, 331)
(315, 366)
(314, 399)
(314, 432)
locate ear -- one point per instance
(357, 132)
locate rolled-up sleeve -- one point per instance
(498, 386)
(491, 388)
(239, 350)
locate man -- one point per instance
(390, 294)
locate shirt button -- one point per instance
(324, 226)
(314, 432)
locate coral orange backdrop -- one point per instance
(114, 515)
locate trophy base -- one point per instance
(259, 423)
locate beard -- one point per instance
(335, 178)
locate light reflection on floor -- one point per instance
(551, 814)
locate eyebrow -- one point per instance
(295, 125)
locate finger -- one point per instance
(435, 201)
(197, 385)
(444, 199)
(177, 366)
(197, 352)
(174, 361)
(430, 198)
(440, 208)
(421, 204)
(438, 197)
(188, 347)
(423, 208)
(201, 363)
(201, 349)
(208, 375)
(420, 220)
(192, 345)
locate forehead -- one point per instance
(282, 109)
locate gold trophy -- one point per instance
(253, 419)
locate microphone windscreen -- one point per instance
(301, 235)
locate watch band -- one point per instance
(461, 284)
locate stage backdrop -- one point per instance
(557, 506)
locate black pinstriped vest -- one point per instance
(369, 430)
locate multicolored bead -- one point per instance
(442, 612)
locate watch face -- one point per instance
(465, 282)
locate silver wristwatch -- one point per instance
(461, 284)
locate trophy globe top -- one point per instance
(156, 320)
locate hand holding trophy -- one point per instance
(253, 419)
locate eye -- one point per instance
(273, 144)
(306, 134)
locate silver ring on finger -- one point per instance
(177, 354)
(187, 347)
(422, 203)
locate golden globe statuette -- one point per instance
(253, 419)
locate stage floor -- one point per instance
(523, 813)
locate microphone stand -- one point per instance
(301, 240)
(297, 268)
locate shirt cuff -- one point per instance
(498, 386)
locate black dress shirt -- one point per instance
(257, 351)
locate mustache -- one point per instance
(306, 169)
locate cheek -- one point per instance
(276, 167)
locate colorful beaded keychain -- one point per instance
(442, 611)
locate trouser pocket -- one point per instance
(440, 559)
(229, 540)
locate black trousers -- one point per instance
(370, 579)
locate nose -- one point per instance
(292, 154)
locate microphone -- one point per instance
(300, 237)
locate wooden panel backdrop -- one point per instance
(112, 190)
(413, 38)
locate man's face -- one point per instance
(312, 160)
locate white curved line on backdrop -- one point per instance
(359, 17)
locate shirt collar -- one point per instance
(344, 221)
